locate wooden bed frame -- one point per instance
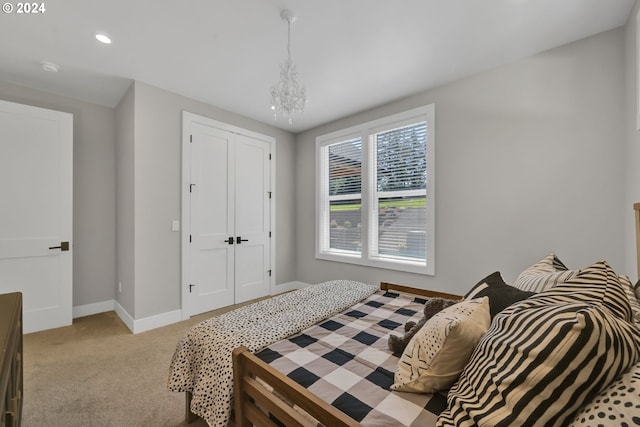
(252, 399)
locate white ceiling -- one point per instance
(351, 55)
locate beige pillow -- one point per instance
(437, 354)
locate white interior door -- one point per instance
(212, 219)
(252, 170)
(36, 184)
(226, 215)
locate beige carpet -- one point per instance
(97, 373)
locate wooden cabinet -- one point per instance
(10, 359)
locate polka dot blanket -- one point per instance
(202, 361)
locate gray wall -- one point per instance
(529, 160)
(632, 147)
(157, 164)
(532, 157)
(125, 201)
(93, 190)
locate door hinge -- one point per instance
(269, 273)
(269, 193)
(190, 138)
(269, 156)
(189, 238)
(269, 234)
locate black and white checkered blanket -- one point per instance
(345, 361)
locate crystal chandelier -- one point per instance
(287, 96)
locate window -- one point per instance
(375, 193)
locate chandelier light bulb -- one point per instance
(103, 38)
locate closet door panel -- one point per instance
(252, 169)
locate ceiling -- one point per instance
(352, 55)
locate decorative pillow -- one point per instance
(543, 357)
(397, 344)
(501, 295)
(597, 284)
(618, 404)
(633, 300)
(544, 274)
(436, 355)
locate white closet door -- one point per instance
(212, 219)
(36, 186)
(252, 170)
(227, 256)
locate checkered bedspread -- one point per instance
(345, 361)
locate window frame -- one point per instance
(366, 132)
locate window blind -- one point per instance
(401, 182)
(345, 195)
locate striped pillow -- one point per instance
(544, 357)
(597, 284)
(544, 274)
(633, 300)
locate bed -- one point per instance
(201, 366)
(591, 314)
(337, 372)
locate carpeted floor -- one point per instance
(97, 373)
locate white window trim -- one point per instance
(365, 131)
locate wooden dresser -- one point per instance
(10, 359)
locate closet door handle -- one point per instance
(64, 246)
(240, 240)
(229, 240)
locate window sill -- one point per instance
(385, 263)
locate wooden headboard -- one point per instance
(636, 208)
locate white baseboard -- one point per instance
(288, 286)
(157, 321)
(124, 316)
(146, 324)
(95, 308)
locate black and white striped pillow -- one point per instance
(593, 285)
(633, 300)
(543, 275)
(546, 356)
(597, 284)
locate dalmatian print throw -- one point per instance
(202, 361)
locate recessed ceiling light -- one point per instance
(104, 39)
(49, 66)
